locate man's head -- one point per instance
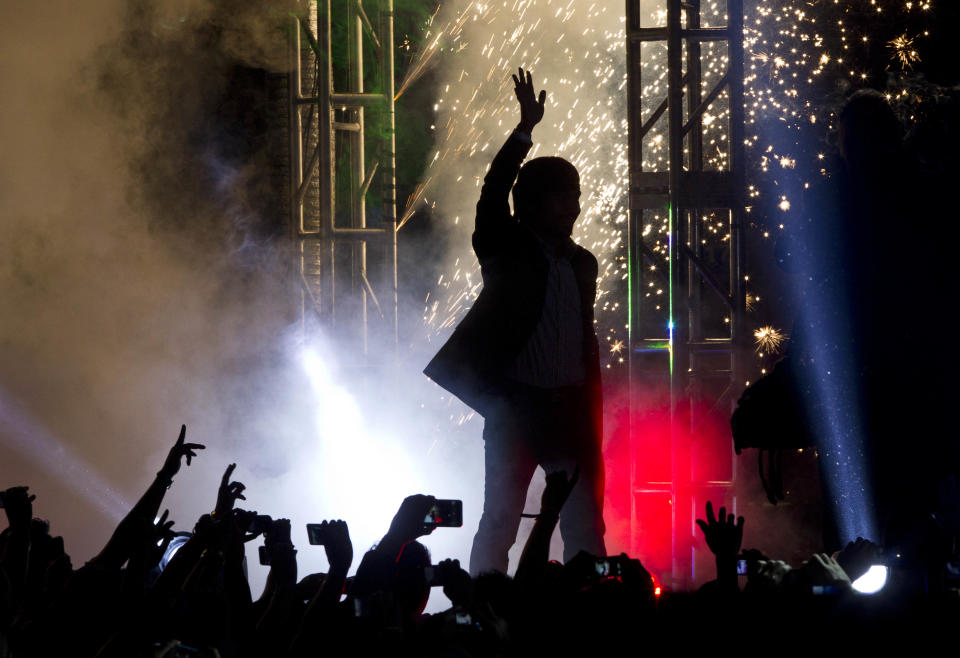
(868, 130)
(546, 196)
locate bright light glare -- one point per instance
(872, 581)
(30, 437)
(175, 545)
(364, 477)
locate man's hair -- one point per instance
(868, 113)
(540, 178)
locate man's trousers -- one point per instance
(551, 428)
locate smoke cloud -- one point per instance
(145, 274)
(140, 286)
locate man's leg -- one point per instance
(509, 465)
(581, 519)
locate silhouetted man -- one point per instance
(526, 355)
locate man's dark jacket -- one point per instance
(473, 363)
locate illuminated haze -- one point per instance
(141, 290)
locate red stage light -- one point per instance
(643, 433)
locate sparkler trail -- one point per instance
(801, 58)
(576, 52)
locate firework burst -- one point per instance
(769, 339)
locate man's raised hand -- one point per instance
(179, 450)
(531, 105)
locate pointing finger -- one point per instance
(226, 475)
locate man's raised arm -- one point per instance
(493, 209)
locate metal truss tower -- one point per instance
(687, 292)
(343, 183)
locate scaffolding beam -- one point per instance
(675, 205)
(346, 254)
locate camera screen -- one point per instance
(445, 513)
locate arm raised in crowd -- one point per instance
(724, 536)
(339, 549)
(134, 531)
(536, 552)
(281, 614)
(378, 566)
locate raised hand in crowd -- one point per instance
(408, 523)
(281, 553)
(857, 557)
(337, 545)
(335, 537)
(149, 504)
(379, 565)
(555, 494)
(137, 527)
(280, 607)
(160, 538)
(179, 450)
(152, 542)
(536, 552)
(723, 535)
(823, 571)
(228, 493)
(457, 583)
(766, 576)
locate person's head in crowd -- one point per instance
(410, 586)
(868, 131)
(497, 590)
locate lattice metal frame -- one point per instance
(682, 192)
(332, 234)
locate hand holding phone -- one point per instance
(335, 538)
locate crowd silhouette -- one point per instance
(139, 597)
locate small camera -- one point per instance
(251, 522)
(264, 556)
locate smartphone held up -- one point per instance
(445, 513)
